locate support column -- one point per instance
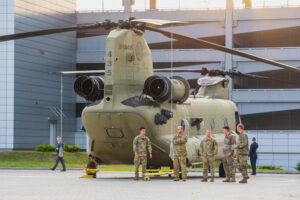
(127, 9)
(228, 40)
(152, 4)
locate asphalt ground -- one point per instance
(44, 185)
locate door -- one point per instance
(53, 132)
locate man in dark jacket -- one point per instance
(253, 155)
(59, 155)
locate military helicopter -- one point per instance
(130, 96)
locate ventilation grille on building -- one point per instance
(56, 111)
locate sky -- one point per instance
(179, 4)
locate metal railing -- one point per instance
(163, 5)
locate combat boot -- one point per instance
(232, 179)
(227, 179)
(212, 179)
(247, 177)
(244, 180)
(176, 179)
(136, 178)
(204, 180)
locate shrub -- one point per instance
(270, 167)
(50, 148)
(298, 166)
(69, 148)
(45, 148)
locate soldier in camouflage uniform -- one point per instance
(208, 150)
(227, 160)
(242, 152)
(180, 154)
(140, 145)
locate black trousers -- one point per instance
(62, 162)
(253, 164)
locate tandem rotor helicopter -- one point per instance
(130, 96)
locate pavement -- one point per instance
(44, 185)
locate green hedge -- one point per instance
(45, 148)
(69, 148)
(298, 166)
(270, 167)
(50, 148)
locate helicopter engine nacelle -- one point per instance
(89, 87)
(161, 88)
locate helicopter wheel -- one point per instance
(92, 165)
(221, 170)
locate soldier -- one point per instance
(140, 145)
(180, 154)
(208, 150)
(242, 152)
(227, 160)
(253, 155)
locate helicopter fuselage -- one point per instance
(111, 132)
(112, 123)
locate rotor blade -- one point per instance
(178, 70)
(253, 76)
(49, 31)
(218, 47)
(232, 74)
(157, 22)
(81, 72)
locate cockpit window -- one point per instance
(225, 121)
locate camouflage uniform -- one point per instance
(208, 150)
(179, 156)
(227, 161)
(242, 154)
(140, 146)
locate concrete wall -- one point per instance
(6, 75)
(36, 92)
(277, 148)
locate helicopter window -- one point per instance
(225, 122)
(212, 124)
(185, 124)
(237, 120)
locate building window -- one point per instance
(53, 132)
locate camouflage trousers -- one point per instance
(242, 164)
(228, 165)
(141, 160)
(180, 162)
(208, 160)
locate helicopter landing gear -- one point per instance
(91, 165)
(221, 170)
(154, 168)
